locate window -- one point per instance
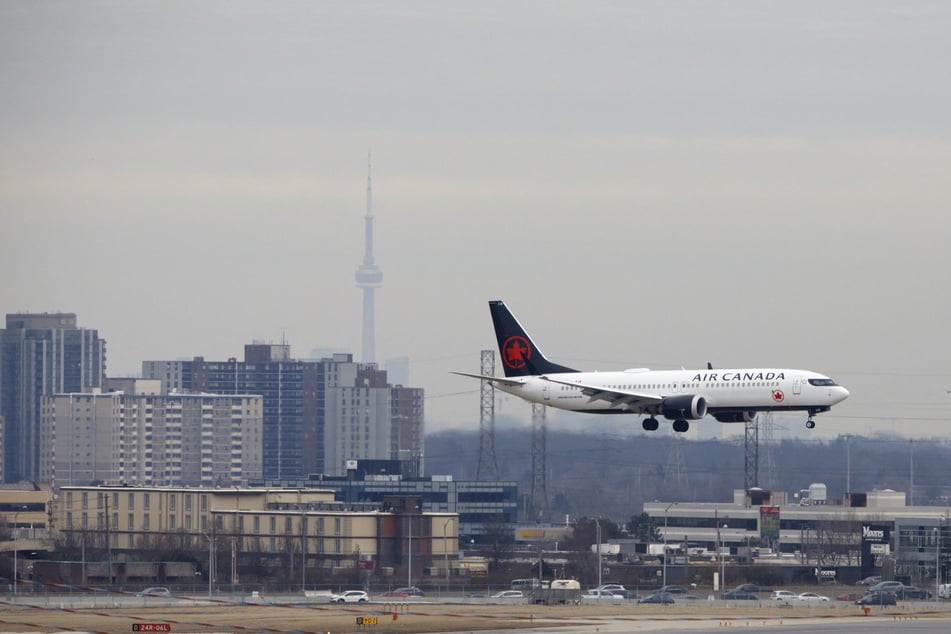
(132, 501)
(145, 522)
(171, 501)
(145, 501)
(131, 521)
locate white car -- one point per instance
(784, 595)
(601, 595)
(154, 592)
(507, 594)
(350, 596)
(811, 597)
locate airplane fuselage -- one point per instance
(724, 390)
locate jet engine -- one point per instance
(735, 417)
(686, 407)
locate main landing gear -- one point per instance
(651, 424)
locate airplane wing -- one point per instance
(494, 379)
(634, 401)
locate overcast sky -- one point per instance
(654, 184)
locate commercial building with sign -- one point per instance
(859, 531)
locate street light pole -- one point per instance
(598, 525)
(665, 540)
(445, 549)
(303, 545)
(937, 573)
(211, 561)
(15, 515)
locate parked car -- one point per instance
(869, 581)
(154, 592)
(627, 594)
(350, 596)
(850, 596)
(877, 598)
(784, 595)
(664, 598)
(944, 591)
(811, 597)
(752, 587)
(507, 595)
(408, 591)
(610, 587)
(673, 589)
(887, 586)
(912, 592)
(739, 595)
(601, 595)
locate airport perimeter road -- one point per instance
(185, 616)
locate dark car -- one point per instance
(752, 587)
(739, 595)
(912, 592)
(673, 589)
(658, 597)
(869, 581)
(878, 598)
(887, 586)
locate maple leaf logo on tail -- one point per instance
(516, 351)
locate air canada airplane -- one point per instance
(730, 396)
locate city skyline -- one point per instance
(645, 185)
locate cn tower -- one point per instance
(369, 277)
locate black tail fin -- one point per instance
(520, 355)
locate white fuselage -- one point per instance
(724, 390)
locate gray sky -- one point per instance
(644, 183)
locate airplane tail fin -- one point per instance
(520, 355)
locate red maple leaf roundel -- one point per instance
(516, 351)
(778, 395)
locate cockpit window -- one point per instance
(822, 382)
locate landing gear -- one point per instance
(650, 424)
(810, 423)
(681, 426)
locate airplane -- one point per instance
(730, 396)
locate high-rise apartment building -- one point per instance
(41, 355)
(317, 414)
(149, 439)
